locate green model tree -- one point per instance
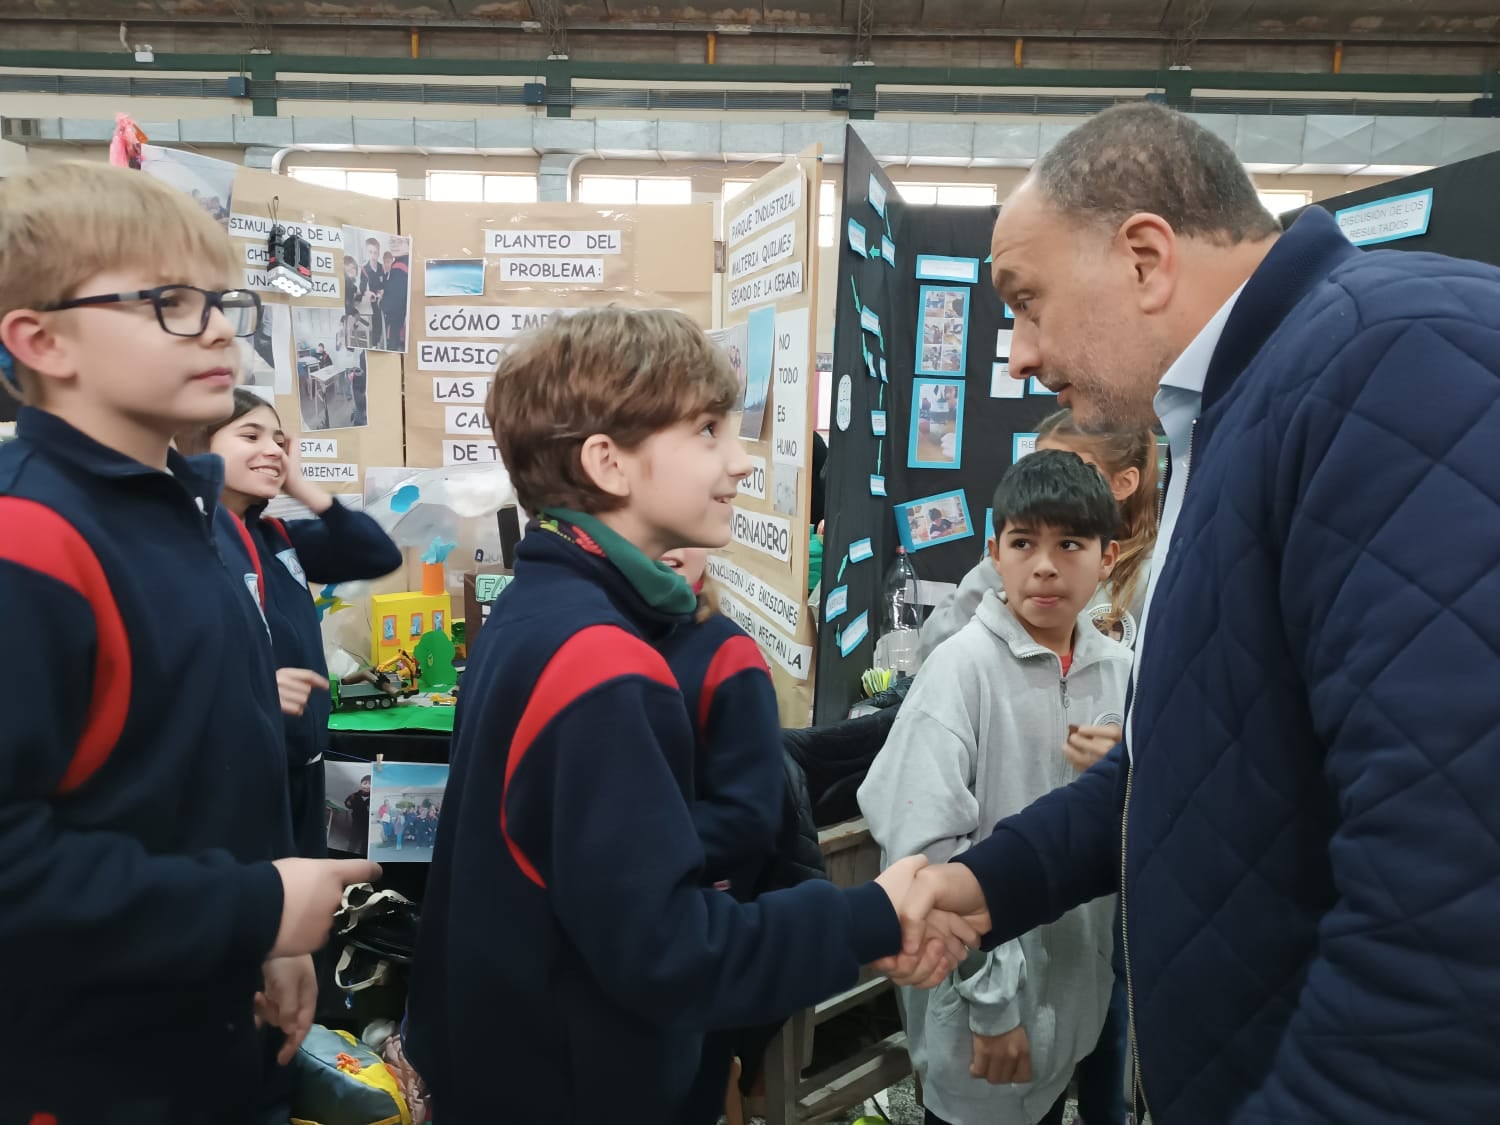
(434, 656)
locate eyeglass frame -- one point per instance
(212, 299)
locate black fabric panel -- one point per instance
(988, 424)
(1465, 221)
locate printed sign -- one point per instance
(1387, 220)
(785, 611)
(781, 204)
(465, 420)
(783, 282)
(332, 472)
(255, 226)
(770, 535)
(795, 658)
(483, 323)
(260, 282)
(439, 355)
(776, 245)
(754, 485)
(470, 452)
(562, 242)
(447, 389)
(789, 425)
(552, 271)
(318, 448)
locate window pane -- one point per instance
(918, 193)
(827, 231)
(324, 177)
(455, 187)
(380, 184)
(966, 195)
(733, 188)
(510, 189)
(655, 190)
(1277, 202)
(828, 199)
(606, 189)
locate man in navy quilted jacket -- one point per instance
(1305, 798)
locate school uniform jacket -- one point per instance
(142, 784)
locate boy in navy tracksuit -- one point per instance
(566, 924)
(143, 897)
(280, 559)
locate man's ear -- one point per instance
(1151, 247)
(602, 464)
(1107, 559)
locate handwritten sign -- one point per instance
(776, 245)
(781, 204)
(784, 282)
(789, 377)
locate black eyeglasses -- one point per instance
(183, 310)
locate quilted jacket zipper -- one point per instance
(1137, 1086)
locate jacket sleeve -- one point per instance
(140, 916)
(1392, 558)
(343, 545)
(601, 820)
(741, 783)
(992, 993)
(958, 608)
(1061, 851)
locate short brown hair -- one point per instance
(62, 223)
(624, 373)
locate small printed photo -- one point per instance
(406, 806)
(378, 301)
(952, 334)
(331, 374)
(932, 359)
(933, 302)
(945, 331)
(734, 343)
(937, 421)
(258, 352)
(932, 333)
(760, 350)
(942, 518)
(785, 485)
(388, 630)
(347, 801)
(454, 277)
(210, 182)
(952, 360)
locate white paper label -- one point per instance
(470, 452)
(837, 603)
(770, 535)
(258, 255)
(784, 610)
(776, 245)
(563, 242)
(794, 658)
(785, 282)
(552, 271)
(466, 420)
(789, 377)
(260, 282)
(332, 472)
(254, 226)
(781, 204)
(754, 486)
(478, 322)
(448, 389)
(439, 355)
(326, 449)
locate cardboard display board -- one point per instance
(769, 314)
(925, 417)
(482, 275)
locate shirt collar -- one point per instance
(1180, 395)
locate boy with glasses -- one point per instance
(143, 812)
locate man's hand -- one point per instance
(295, 687)
(1087, 745)
(312, 892)
(1002, 1059)
(289, 1001)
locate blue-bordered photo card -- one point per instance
(929, 520)
(1022, 445)
(943, 340)
(937, 424)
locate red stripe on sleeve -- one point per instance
(737, 654)
(590, 657)
(37, 538)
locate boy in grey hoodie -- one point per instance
(980, 737)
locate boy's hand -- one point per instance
(1002, 1059)
(295, 687)
(937, 934)
(1087, 745)
(312, 892)
(289, 1001)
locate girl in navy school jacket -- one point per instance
(278, 560)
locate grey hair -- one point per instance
(1146, 157)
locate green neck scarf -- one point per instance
(656, 582)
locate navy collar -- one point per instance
(202, 476)
(1301, 258)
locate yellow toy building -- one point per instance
(397, 621)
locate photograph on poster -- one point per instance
(760, 349)
(378, 305)
(453, 277)
(943, 340)
(258, 353)
(331, 376)
(937, 424)
(940, 518)
(210, 182)
(406, 804)
(734, 343)
(346, 787)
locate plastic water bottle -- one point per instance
(901, 617)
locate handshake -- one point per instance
(943, 916)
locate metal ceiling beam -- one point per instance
(889, 31)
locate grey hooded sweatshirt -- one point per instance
(979, 737)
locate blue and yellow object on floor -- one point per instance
(340, 1081)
